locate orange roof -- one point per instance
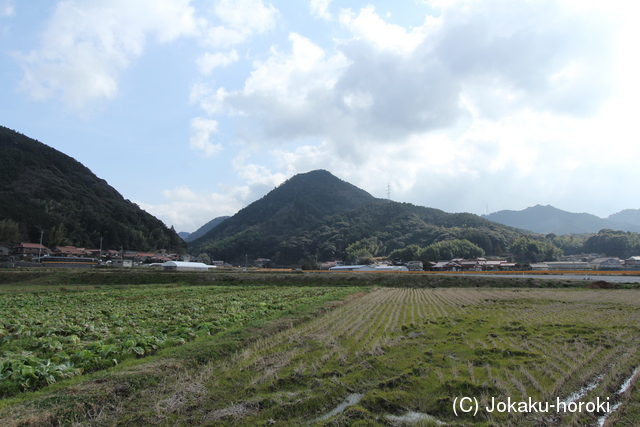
(31, 245)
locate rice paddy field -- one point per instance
(335, 352)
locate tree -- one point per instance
(9, 232)
(449, 249)
(614, 243)
(205, 258)
(408, 253)
(528, 249)
(365, 248)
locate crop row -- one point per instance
(418, 349)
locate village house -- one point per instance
(69, 251)
(478, 264)
(446, 266)
(262, 262)
(605, 263)
(30, 249)
(633, 261)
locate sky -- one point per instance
(193, 109)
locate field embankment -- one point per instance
(42, 279)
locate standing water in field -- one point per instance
(414, 417)
(351, 400)
(623, 388)
(577, 395)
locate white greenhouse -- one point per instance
(184, 266)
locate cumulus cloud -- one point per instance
(189, 209)
(479, 60)
(208, 61)
(86, 45)
(201, 131)
(320, 8)
(499, 56)
(481, 104)
(368, 25)
(239, 20)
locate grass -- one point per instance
(400, 350)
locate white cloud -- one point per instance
(388, 83)
(188, 210)
(208, 61)
(86, 45)
(212, 101)
(320, 8)
(240, 19)
(7, 8)
(368, 25)
(491, 102)
(201, 131)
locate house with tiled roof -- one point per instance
(633, 261)
(24, 249)
(69, 251)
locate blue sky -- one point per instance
(194, 109)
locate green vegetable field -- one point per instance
(47, 336)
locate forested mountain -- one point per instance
(189, 237)
(295, 205)
(547, 219)
(383, 226)
(316, 215)
(44, 189)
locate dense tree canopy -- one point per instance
(613, 243)
(444, 250)
(44, 190)
(527, 249)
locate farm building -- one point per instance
(415, 265)
(540, 266)
(568, 265)
(184, 266)
(392, 268)
(121, 263)
(352, 268)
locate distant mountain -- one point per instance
(42, 189)
(183, 235)
(627, 216)
(189, 237)
(318, 215)
(547, 219)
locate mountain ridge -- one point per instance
(46, 193)
(317, 215)
(189, 237)
(550, 220)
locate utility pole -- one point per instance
(40, 248)
(388, 190)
